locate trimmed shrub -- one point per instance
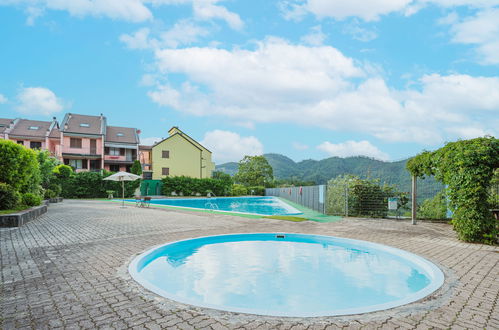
(20, 168)
(239, 190)
(9, 198)
(30, 199)
(192, 186)
(63, 171)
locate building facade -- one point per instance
(83, 142)
(181, 155)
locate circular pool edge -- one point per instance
(435, 274)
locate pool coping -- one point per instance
(434, 271)
(211, 211)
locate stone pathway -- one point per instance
(67, 269)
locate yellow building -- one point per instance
(181, 155)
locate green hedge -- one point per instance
(256, 190)
(239, 190)
(192, 186)
(9, 198)
(92, 185)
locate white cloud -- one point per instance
(370, 10)
(316, 37)
(320, 87)
(183, 32)
(358, 33)
(138, 40)
(229, 146)
(149, 141)
(340, 9)
(38, 101)
(481, 30)
(128, 10)
(352, 148)
(3, 99)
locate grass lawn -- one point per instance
(286, 217)
(20, 208)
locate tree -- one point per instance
(467, 167)
(254, 171)
(136, 168)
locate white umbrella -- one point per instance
(122, 176)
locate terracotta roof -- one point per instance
(4, 123)
(83, 124)
(121, 135)
(31, 128)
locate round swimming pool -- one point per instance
(286, 274)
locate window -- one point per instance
(114, 168)
(35, 145)
(75, 143)
(76, 163)
(20, 142)
(33, 128)
(84, 125)
(113, 151)
(120, 134)
(165, 154)
(165, 171)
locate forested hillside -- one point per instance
(393, 173)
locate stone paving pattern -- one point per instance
(67, 269)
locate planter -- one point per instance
(56, 200)
(20, 218)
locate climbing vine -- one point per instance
(467, 168)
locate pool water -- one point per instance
(255, 205)
(286, 274)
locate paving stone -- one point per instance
(67, 269)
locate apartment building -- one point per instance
(181, 155)
(84, 142)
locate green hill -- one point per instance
(320, 171)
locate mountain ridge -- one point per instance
(320, 171)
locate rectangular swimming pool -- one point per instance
(254, 205)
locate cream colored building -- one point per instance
(181, 155)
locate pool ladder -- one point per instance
(212, 206)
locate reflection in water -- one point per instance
(283, 276)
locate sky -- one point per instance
(309, 79)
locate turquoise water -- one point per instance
(286, 274)
(256, 205)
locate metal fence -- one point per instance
(313, 197)
(348, 196)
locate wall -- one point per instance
(185, 158)
(85, 146)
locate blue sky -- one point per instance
(304, 78)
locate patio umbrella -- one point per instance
(122, 176)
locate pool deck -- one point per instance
(67, 269)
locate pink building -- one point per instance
(84, 142)
(34, 134)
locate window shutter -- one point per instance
(166, 171)
(166, 154)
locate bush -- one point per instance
(9, 198)
(30, 199)
(434, 208)
(239, 190)
(20, 168)
(256, 190)
(49, 194)
(468, 168)
(192, 186)
(366, 198)
(63, 171)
